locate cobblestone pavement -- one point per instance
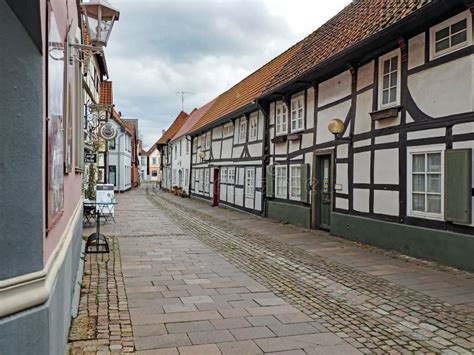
(371, 313)
(103, 322)
(215, 281)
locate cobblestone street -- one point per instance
(215, 281)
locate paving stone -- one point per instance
(297, 342)
(179, 308)
(293, 317)
(263, 320)
(211, 337)
(251, 333)
(293, 329)
(196, 299)
(273, 310)
(230, 323)
(167, 351)
(270, 301)
(247, 347)
(161, 341)
(207, 349)
(189, 327)
(345, 349)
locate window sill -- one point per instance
(386, 113)
(426, 216)
(295, 137)
(280, 139)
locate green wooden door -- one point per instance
(323, 192)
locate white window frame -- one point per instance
(424, 150)
(284, 181)
(249, 182)
(465, 15)
(231, 177)
(296, 109)
(253, 127)
(382, 59)
(223, 174)
(280, 105)
(298, 182)
(243, 130)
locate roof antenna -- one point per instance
(182, 93)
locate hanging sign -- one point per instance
(90, 158)
(108, 131)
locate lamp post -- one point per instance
(337, 127)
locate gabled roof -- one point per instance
(174, 128)
(116, 117)
(106, 96)
(246, 91)
(358, 21)
(193, 118)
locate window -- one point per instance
(281, 181)
(112, 144)
(206, 180)
(223, 174)
(249, 182)
(154, 161)
(231, 175)
(389, 80)
(113, 175)
(297, 113)
(281, 118)
(425, 184)
(208, 140)
(451, 35)
(154, 173)
(243, 131)
(228, 130)
(253, 128)
(295, 182)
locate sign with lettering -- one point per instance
(90, 158)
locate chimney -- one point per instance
(106, 97)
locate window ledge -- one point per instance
(280, 139)
(386, 113)
(295, 136)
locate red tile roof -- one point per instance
(358, 21)
(175, 127)
(246, 90)
(193, 118)
(106, 97)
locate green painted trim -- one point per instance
(444, 247)
(288, 213)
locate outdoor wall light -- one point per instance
(337, 127)
(202, 155)
(100, 17)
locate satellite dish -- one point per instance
(108, 131)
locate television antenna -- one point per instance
(182, 93)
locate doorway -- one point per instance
(216, 186)
(322, 204)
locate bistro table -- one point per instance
(93, 210)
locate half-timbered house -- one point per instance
(228, 143)
(394, 82)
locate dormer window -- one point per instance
(297, 113)
(281, 119)
(389, 80)
(451, 35)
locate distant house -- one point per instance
(120, 156)
(144, 166)
(132, 125)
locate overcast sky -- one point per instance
(203, 46)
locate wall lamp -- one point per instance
(337, 127)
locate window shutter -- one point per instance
(305, 183)
(270, 180)
(458, 186)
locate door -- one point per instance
(216, 193)
(323, 191)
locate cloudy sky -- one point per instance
(160, 47)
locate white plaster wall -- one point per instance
(237, 152)
(450, 88)
(342, 178)
(255, 149)
(258, 201)
(239, 196)
(468, 145)
(342, 203)
(335, 88)
(258, 177)
(387, 139)
(216, 149)
(249, 202)
(241, 176)
(389, 122)
(272, 113)
(416, 51)
(310, 108)
(361, 200)
(307, 140)
(365, 75)
(280, 148)
(230, 194)
(217, 132)
(227, 148)
(463, 128)
(386, 202)
(339, 111)
(363, 121)
(294, 146)
(261, 125)
(223, 194)
(343, 151)
(386, 166)
(426, 133)
(363, 143)
(362, 168)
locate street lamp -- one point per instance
(337, 127)
(100, 17)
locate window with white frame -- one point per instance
(281, 180)
(231, 175)
(297, 113)
(249, 182)
(223, 174)
(425, 182)
(243, 131)
(389, 81)
(253, 128)
(295, 182)
(451, 35)
(206, 180)
(228, 130)
(281, 119)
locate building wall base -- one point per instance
(289, 213)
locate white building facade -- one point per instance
(120, 159)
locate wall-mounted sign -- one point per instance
(90, 158)
(108, 131)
